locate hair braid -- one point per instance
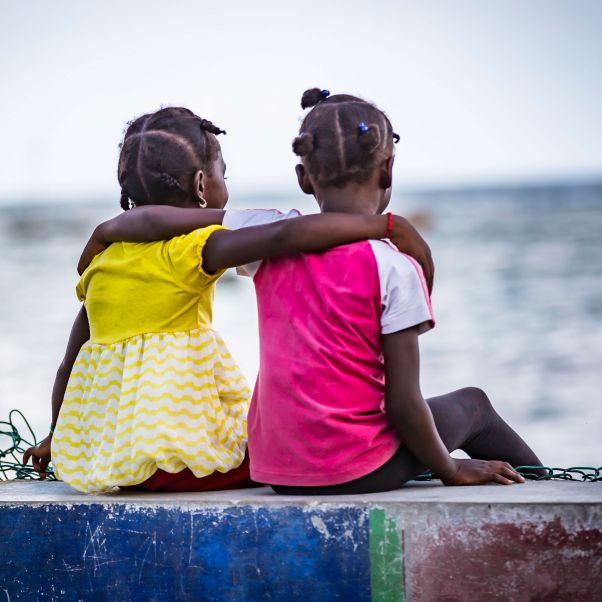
(125, 200)
(313, 96)
(303, 144)
(170, 182)
(208, 126)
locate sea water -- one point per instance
(517, 297)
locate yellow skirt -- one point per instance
(159, 400)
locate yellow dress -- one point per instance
(155, 386)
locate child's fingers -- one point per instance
(429, 272)
(44, 463)
(509, 472)
(82, 264)
(498, 478)
(36, 463)
(91, 250)
(426, 263)
(27, 455)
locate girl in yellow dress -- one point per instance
(148, 396)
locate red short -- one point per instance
(239, 478)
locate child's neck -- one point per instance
(351, 198)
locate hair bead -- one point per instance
(362, 127)
(313, 97)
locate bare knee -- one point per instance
(475, 393)
(478, 400)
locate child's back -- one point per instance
(317, 416)
(155, 387)
(337, 406)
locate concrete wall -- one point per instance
(539, 541)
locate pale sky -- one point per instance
(480, 91)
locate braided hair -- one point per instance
(160, 154)
(342, 138)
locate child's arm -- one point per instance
(311, 233)
(144, 224)
(410, 414)
(303, 234)
(80, 333)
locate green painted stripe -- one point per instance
(386, 559)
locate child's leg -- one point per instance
(465, 420)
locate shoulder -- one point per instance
(190, 241)
(404, 292)
(390, 259)
(105, 262)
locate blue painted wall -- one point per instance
(125, 552)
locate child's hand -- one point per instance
(406, 238)
(93, 247)
(40, 456)
(478, 472)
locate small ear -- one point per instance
(303, 179)
(386, 173)
(198, 185)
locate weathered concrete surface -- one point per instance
(537, 541)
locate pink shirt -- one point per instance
(317, 415)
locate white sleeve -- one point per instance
(404, 294)
(243, 218)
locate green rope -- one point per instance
(574, 473)
(11, 466)
(546, 473)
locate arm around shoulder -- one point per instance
(307, 234)
(313, 233)
(147, 224)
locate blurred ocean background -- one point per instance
(489, 92)
(518, 299)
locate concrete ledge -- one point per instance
(537, 541)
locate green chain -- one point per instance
(11, 466)
(546, 473)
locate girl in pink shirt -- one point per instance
(337, 406)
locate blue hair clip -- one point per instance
(362, 127)
(325, 93)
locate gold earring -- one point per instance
(202, 203)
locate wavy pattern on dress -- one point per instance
(166, 401)
(152, 371)
(143, 472)
(159, 386)
(223, 432)
(100, 409)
